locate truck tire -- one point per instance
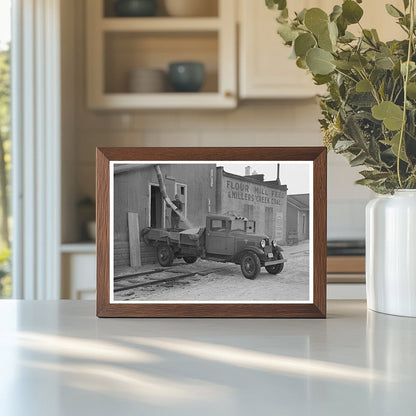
(190, 259)
(165, 255)
(276, 268)
(250, 265)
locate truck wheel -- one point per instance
(165, 255)
(190, 259)
(276, 268)
(250, 265)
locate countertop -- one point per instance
(57, 358)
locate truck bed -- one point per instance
(190, 236)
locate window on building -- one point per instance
(5, 147)
(156, 207)
(268, 221)
(181, 190)
(248, 211)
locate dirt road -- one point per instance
(227, 283)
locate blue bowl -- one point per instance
(135, 8)
(186, 76)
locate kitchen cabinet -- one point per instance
(265, 69)
(78, 262)
(118, 45)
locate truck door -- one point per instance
(218, 239)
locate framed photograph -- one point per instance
(211, 232)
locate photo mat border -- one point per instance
(314, 309)
(268, 162)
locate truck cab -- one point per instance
(234, 239)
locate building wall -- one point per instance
(132, 194)
(249, 198)
(295, 222)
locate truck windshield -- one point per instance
(219, 225)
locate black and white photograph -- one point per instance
(187, 232)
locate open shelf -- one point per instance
(119, 45)
(211, 10)
(127, 51)
(160, 24)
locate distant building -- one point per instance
(298, 217)
(252, 197)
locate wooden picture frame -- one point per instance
(315, 307)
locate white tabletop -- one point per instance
(57, 358)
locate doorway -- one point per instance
(156, 207)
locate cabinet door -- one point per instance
(265, 68)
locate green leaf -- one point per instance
(358, 61)
(343, 145)
(321, 79)
(344, 65)
(303, 43)
(301, 63)
(388, 112)
(351, 11)
(375, 35)
(316, 20)
(276, 4)
(374, 175)
(325, 42)
(336, 12)
(347, 37)
(287, 33)
(384, 62)
(358, 160)
(363, 86)
(319, 61)
(301, 15)
(394, 145)
(411, 90)
(393, 11)
(342, 25)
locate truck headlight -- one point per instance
(274, 242)
(263, 243)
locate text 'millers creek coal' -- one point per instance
(211, 232)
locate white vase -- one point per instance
(391, 253)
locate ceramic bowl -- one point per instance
(191, 8)
(135, 8)
(186, 76)
(147, 80)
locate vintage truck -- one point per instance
(224, 239)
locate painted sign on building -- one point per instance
(256, 199)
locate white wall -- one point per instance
(256, 123)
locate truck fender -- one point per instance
(253, 249)
(143, 235)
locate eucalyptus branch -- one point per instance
(406, 80)
(346, 75)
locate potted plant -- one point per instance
(368, 116)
